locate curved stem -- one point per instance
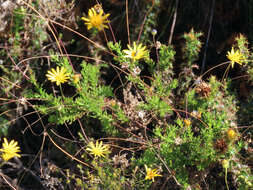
(225, 73)
(226, 176)
(65, 152)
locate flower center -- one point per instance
(59, 78)
(96, 151)
(134, 53)
(96, 20)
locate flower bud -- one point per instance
(154, 32)
(231, 134)
(187, 122)
(225, 163)
(76, 78)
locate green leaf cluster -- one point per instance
(88, 101)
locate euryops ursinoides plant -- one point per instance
(92, 109)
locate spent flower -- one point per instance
(136, 52)
(10, 150)
(96, 18)
(98, 149)
(76, 78)
(59, 75)
(235, 57)
(187, 122)
(151, 174)
(196, 114)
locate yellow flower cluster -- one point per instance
(10, 150)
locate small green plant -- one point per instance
(88, 99)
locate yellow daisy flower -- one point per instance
(96, 18)
(10, 150)
(99, 149)
(59, 75)
(136, 52)
(151, 174)
(235, 57)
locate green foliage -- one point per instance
(4, 126)
(110, 178)
(104, 176)
(191, 50)
(89, 100)
(193, 146)
(152, 110)
(153, 9)
(116, 47)
(242, 44)
(19, 18)
(192, 47)
(157, 105)
(159, 94)
(166, 57)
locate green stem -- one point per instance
(61, 91)
(226, 180)
(1, 164)
(226, 72)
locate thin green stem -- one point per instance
(61, 91)
(226, 72)
(226, 176)
(1, 164)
